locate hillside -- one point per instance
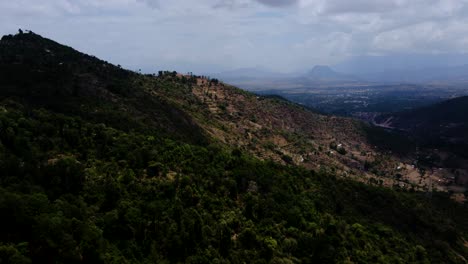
(43, 73)
(447, 119)
(442, 128)
(274, 129)
(440, 125)
(103, 165)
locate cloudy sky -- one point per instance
(218, 35)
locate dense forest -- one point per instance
(94, 170)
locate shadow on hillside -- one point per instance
(388, 140)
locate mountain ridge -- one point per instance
(80, 79)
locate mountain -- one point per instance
(103, 165)
(321, 71)
(196, 110)
(44, 73)
(260, 79)
(324, 74)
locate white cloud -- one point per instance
(211, 34)
(278, 3)
(427, 37)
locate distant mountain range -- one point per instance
(254, 78)
(321, 75)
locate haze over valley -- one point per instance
(360, 96)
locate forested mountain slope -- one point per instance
(103, 165)
(43, 73)
(443, 121)
(191, 108)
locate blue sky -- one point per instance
(218, 35)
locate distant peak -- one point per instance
(322, 68)
(324, 73)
